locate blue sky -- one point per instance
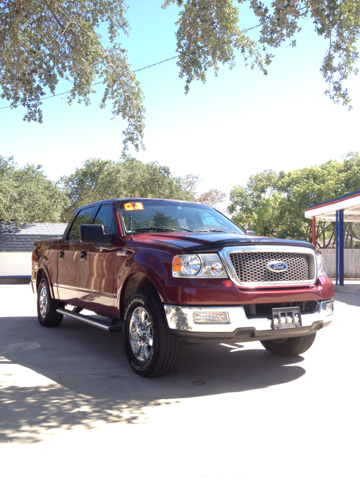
(235, 125)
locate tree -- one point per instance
(209, 35)
(274, 204)
(43, 42)
(100, 179)
(190, 183)
(26, 195)
(212, 197)
(244, 201)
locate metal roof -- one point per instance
(21, 239)
(326, 211)
(32, 228)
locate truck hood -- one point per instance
(202, 242)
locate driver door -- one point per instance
(98, 268)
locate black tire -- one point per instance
(152, 350)
(46, 306)
(289, 347)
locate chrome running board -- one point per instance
(90, 321)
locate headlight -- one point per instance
(321, 271)
(203, 265)
(191, 264)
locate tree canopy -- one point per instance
(100, 179)
(43, 42)
(26, 195)
(273, 204)
(210, 32)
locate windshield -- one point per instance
(160, 215)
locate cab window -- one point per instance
(85, 216)
(105, 216)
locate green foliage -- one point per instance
(100, 179)
(209, 35)
(26, 195)
(243, 201)
(274, 204)
(43, 42)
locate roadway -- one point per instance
(71, 407)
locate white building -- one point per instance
(16, 246)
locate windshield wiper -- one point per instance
(158, 229)
(220, 231)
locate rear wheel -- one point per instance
(151, 348)
(289, 347)
(46, 306)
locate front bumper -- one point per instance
(238, 326)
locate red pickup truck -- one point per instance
(167, 271)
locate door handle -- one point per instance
(83, 255)
(61, 255)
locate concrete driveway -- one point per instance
(71, 407)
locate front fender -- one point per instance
(155, 264)
(157, 280)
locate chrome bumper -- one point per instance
(184, 322)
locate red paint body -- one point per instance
(98, 282)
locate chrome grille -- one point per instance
(250, 267)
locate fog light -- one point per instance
(329, 308)
(203, 316)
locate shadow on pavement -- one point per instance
(76, 376)
(349, 294)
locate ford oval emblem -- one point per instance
(276, 266)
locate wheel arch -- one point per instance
(136, 282)
(43, 272)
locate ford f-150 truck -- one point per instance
(166, 271)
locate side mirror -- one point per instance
(94, 234)
(250, 232)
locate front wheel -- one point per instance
(46, 306)
(289, 347)
(150, 347)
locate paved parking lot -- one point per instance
(72, 407)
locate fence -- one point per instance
(351, 262)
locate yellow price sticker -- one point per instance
(133, 206)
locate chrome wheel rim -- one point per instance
(43, 301)
(141, 334)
